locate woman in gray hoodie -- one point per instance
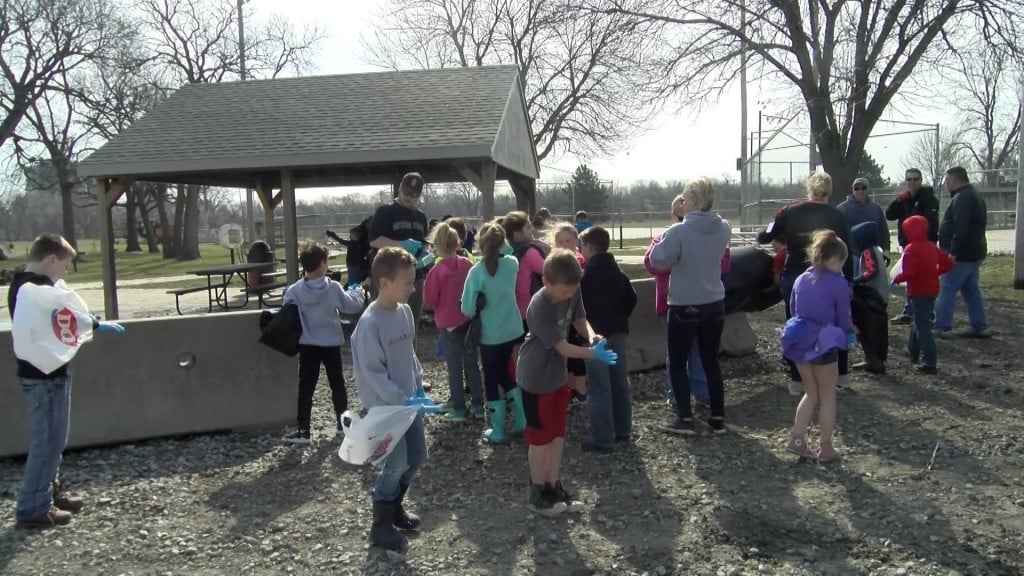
(693, 251)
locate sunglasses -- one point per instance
(913, 179)
(860, 187)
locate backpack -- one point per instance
(536, 280)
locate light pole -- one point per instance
(1018, 233)
(250, 216)
(742, 163)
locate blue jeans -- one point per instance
(922, 341)
(694, 369)
(702, 323)
(401, 465)
(49, 415)
(963, 278)
(786, 288)
(459, 362)
(609, 403)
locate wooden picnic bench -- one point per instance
(262, 291)
(211, 289)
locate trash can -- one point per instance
(260, 252)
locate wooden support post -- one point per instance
(291, 241)
(525, 190)
(266, 201)
(109, 191)
(488, 173)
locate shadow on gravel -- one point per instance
(11, 540)
(294, 479)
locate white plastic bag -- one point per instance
(369, 440)
(49, 325)
(896, 269)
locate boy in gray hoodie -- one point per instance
(389, 374)
(319, 300)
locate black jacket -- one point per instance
(924, 203)
(795, 225)
(963, 225)
(608, 295)
(282, 329)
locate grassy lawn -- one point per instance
(128, 266)
(996, 278)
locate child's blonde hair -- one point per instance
(826, 245)
(491, 239)
(562, 267)
(445, 240)
(566, 227)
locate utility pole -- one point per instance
(250, 216)
(1018, 234)
(743, 160)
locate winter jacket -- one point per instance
(608, 295)
(442, 291)
(796, 224)
(661, 277)
(857, 213)
(869, 267)
(694, 249)
(963, 225)
(923, 262)
(924, 203)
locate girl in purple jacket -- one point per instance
(819, 328)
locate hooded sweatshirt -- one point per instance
(923, 262)
(661, 277)
(857, 213)
(693, 250)
(869, 266)
(319, 301)
(442, 291)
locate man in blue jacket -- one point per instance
(962, 235)
(859, 208)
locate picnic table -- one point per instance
(218, 279)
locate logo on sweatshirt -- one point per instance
(65, 326)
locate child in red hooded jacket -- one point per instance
(922, 265)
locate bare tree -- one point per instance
(194, 42)
(986, 97)
(846, 60)
(584, 73)
(952, 151)
(465, 197)
(40, 43)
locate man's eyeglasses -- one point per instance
(860, 187)
(913, 179)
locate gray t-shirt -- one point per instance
(541, 368)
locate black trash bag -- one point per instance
(749, 286)
(281, 329)
(871, 316)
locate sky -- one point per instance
(679, 146)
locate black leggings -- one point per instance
(495, 360)
(310, 359)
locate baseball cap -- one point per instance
(412, 184)
(863, 181)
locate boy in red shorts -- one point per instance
(543, 378)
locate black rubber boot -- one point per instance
(383, 533)
(403, 519)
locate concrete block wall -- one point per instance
(164, 376)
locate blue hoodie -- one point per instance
(858, 213)
(319, 301)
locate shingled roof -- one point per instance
(331, 130)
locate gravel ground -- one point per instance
(931, 484)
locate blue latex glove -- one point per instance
(425, 261)
(352, 287)
(603, 354)
(411, 246)
(420, 392)
(851, 339)
(112, 327)
(426, 405)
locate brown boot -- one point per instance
(62, 501)
(53, 517)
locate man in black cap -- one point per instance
(402, 224)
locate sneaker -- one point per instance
(298, 437)
(543, 503)
(479, 412)
(796, 388)
(972, 333)
(929, 370)
(717, 426)
(799, 447)
(62, 501)
(577, 399)
(902, 319)
(843, 382)
(597, 448)
(680, 426)
(558, 491)
(945, 334)
(455, 416)
(53, 517)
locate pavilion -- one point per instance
(276, 136)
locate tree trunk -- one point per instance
(147, 226)
(177, 231)
(190, 229)
(131, 222)
(166, 231)
(67, 211)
